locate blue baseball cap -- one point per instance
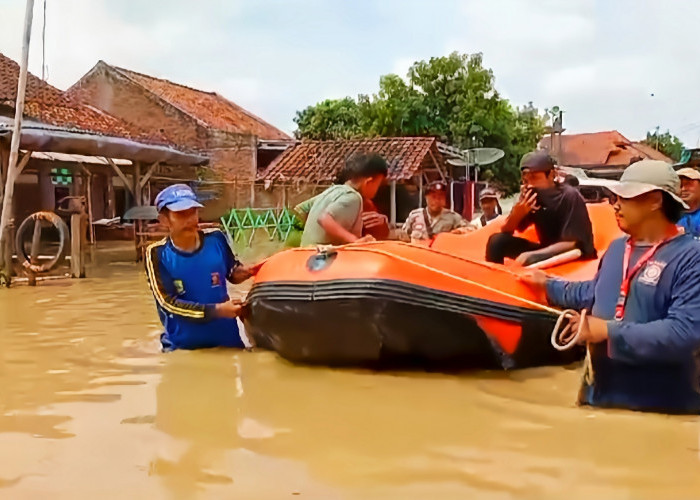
(177, 197)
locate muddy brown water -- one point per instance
(89, 408)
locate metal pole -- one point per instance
(17, 129)
(420, 190)
(393, 204)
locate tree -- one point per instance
(329, 119)
(668, 144)
(452, 97)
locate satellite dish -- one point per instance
(484, 156)
(145, 212)
(457, 162)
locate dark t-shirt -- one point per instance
(562, 217)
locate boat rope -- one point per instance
(467, 281)
(565, 338)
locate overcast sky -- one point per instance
(628, 65)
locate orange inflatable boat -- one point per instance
(393, 304)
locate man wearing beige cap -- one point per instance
(690, 192)
(643, 330)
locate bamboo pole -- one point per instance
(12, 170)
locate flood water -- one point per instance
(89, 408)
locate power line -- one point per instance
(44, 66)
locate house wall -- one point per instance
(233, 157)
(119, 96)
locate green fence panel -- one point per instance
(245, 223)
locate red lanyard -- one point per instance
(627, 276)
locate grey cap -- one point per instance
(537, 161)
(648, 175)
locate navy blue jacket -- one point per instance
(187, 287)
(651, 360)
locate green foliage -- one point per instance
(451, 97)
(330, 119)
(668, 144)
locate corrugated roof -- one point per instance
(600, 149)
(50, 105)
(209, 108)
(322, 161)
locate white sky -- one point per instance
(628, 65)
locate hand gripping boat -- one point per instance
(393, 304)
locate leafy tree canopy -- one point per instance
(453, 98)
(667, 143)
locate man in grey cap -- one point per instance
(490, 208)
(643, 331)
(558, 212)
(690, 192)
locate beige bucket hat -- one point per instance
(689, 173)
(648, 175)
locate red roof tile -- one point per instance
(600, 149)
(209, 108)
(49, 105)
(651, 152)
(322, 161)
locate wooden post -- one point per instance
(138, 242)
(393, 204)
(7, 246)
(420, 190)
(77, 263)
(91, 228)
(138, 201)
(252, 194)
(111, 199)
(36, 243)
(12, 170)
(34, 254)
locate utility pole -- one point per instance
(657, 137)
(12, 170)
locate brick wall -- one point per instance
(122, 98)
(233, 157)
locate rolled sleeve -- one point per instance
(570, 294)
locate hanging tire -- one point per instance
(27, 226)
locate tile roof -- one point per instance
(322, 161)
(651, 152)
(50, 105)
(600, 149)
(209, 108)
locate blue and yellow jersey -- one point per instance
(187, 287)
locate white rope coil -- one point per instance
(565, 338)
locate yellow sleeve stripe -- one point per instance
(157, 290)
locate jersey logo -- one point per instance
(179, 286)
(215, 279)
(652, 272)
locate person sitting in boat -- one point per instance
(490, 208)
(335, 216)
(187, 273)
(643, 330)
(424, 223)
(558, 212)
(690, 192)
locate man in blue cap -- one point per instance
(187, 272)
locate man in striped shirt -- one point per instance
(187, 272)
